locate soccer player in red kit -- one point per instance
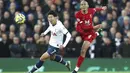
(86, 29)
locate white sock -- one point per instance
(76, 68)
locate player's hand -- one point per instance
(61, 47)
(42, 34)
(104, 7)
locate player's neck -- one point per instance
(84, 11)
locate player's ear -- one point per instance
(57, 17)
(88, 5)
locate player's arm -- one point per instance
(96, 27)
(68, 35)
(44, 33)
(99, 9)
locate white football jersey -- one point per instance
(57, 33)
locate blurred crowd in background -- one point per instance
(25, 41)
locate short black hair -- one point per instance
(52, 13)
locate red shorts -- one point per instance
(89, 36)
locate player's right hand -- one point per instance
(61, 47)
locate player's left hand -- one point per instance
(42, 34)
(61, 47)
(104, 7)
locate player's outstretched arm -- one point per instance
(68, 36)
(102, 8)
(97, 27)
(44, 33)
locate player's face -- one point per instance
(52, 19)
(84, 5)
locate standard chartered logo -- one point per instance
(98, 68)
(93, 68)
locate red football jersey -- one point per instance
(85, 23)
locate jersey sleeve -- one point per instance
(97, 9)
(48, 29)
(63, 30)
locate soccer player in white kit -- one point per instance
(56, 42)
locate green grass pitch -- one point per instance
(68, 72)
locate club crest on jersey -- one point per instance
(90, 15)
(54, 34)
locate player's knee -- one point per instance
(52, 57)
(83, 51)
(44, 56)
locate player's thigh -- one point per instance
(52, 57)
(44, 56)
(85, 46)
(50, 52)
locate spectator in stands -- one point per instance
(30, 48)
(30, 22)
(25, 2)
(103, 15)
(124, 49)
(116, 26)
(12, 28)
(112, 33)
(37, 29)
(1, 9)
(4, 44)
(6, 19)
(26, 11)
(22, 36)
(47, 38)
(114, 14)
(105, 34)
(36, 37)
(12, 9)
(105, 26)
(53, 7)
(126, 25)
(11, 36)
(109, 19)
(118, 40)
(3, 28)
(46, 6)
(120, 18)
(32, 7)
(66, 24)
(16, 49)
(107, 48)
(96, 20)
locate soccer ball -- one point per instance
(19, 18)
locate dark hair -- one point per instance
(52, 13)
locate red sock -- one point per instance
(80, 61)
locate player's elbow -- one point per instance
(68, 35)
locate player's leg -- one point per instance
(59, 59)
(51, 50)
(84, 49)
(40, 62)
